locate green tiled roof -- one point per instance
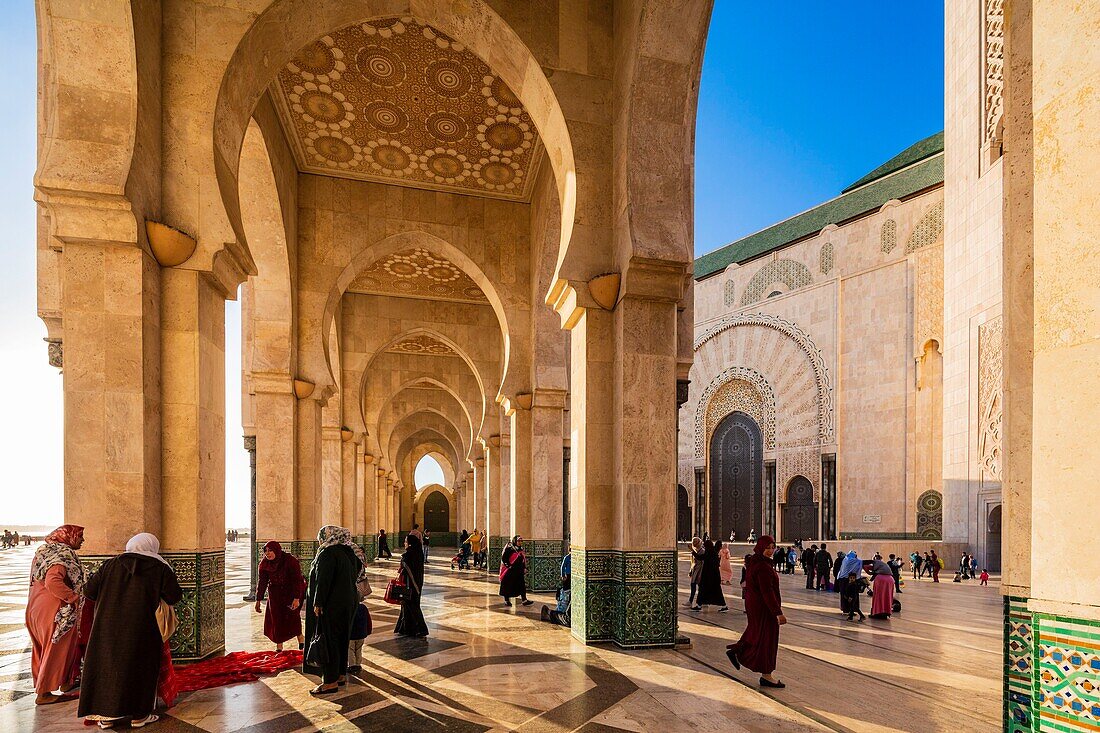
(856, 202)
(926, 148)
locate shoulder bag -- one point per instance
(167, 621)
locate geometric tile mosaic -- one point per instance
(1018, 649)
(1066, 687)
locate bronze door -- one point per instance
(437, 513)
(736, 477)
(800, 511)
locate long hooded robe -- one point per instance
(282, 580)
(54, 610)
(513, 566)
(123, 660)
(710, 579)
(850, 564)
(411, 621)
(758, 646)
(725, 569)
(332, 578)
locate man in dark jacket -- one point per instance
(823, 565)
(808, 565)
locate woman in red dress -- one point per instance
(758, 646)
(280, 576)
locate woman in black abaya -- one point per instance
(331, 600)
(710, 581)
(411, 621)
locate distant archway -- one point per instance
(736, 476)
(799, 511)
(993, 540)
(437, 512)
(683, 515)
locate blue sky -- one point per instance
(797, 100)
(800, 99)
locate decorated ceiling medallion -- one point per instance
(421, 344)
(397, 101)
(418, 273)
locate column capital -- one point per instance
(271, 383)
(250, 442)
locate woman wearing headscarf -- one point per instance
(725, 569)
(53, 614)
(710, 581)
(280, 577)
(383, 545)
(513, 568)
(411, 621)
(331, 600)
(851, 564)
(882, 585)
(758, 646)
(123, 662)
(695, 569)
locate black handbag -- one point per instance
(316, 654)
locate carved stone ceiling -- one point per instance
(421, 344)
(397, 101)
(417, 273)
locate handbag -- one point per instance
(167, 621)
(316, 653)
(363, 586)
(396, 591)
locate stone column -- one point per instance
(493, 519)
(368, 500)
(468, 494)
(623, 457)
(332, 479)
(349, 505)
(254, 555)
(537, 461)
(110, 302)
(276, 410)
(193, 454)
(309, 498)
(1052, 347)
(481, 516)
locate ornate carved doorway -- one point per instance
(683, 514)
(437, 513)
(800, 511)
(736, 477)
(993, 540)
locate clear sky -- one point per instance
(797, 100)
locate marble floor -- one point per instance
(935, 667)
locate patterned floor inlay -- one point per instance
(488, 667)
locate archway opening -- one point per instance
(736, 477)
(428, 471)
(799, 511)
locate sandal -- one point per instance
(322, 690)
(151, 718)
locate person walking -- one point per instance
(695, 569)
(823, 567)
(513, 567)
(759, 645)
(383, 545)
(836, 570)
(279, 576)
(808, 565)
(54, 607)
(895, 566)
(123, 662)
(427, 540)
(973, 566)
(850, 596)
(331, 598)
(725, 569)
(475, 548)
(916, 561)
(710, 581)
(411, 621)
(937, 565)
(792, 560)
(984, 577)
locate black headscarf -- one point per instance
(413, 560)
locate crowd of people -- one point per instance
(12, 539)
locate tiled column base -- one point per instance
(1051, 671)
(628, 597)
(543, 564)
(496, 546)
(201, 611)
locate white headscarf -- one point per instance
(145, 544)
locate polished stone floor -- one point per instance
(933, 668)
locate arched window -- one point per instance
(428, 471)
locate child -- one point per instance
(852, 591)
(360, 630)
(984, 577)
(957, 578)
